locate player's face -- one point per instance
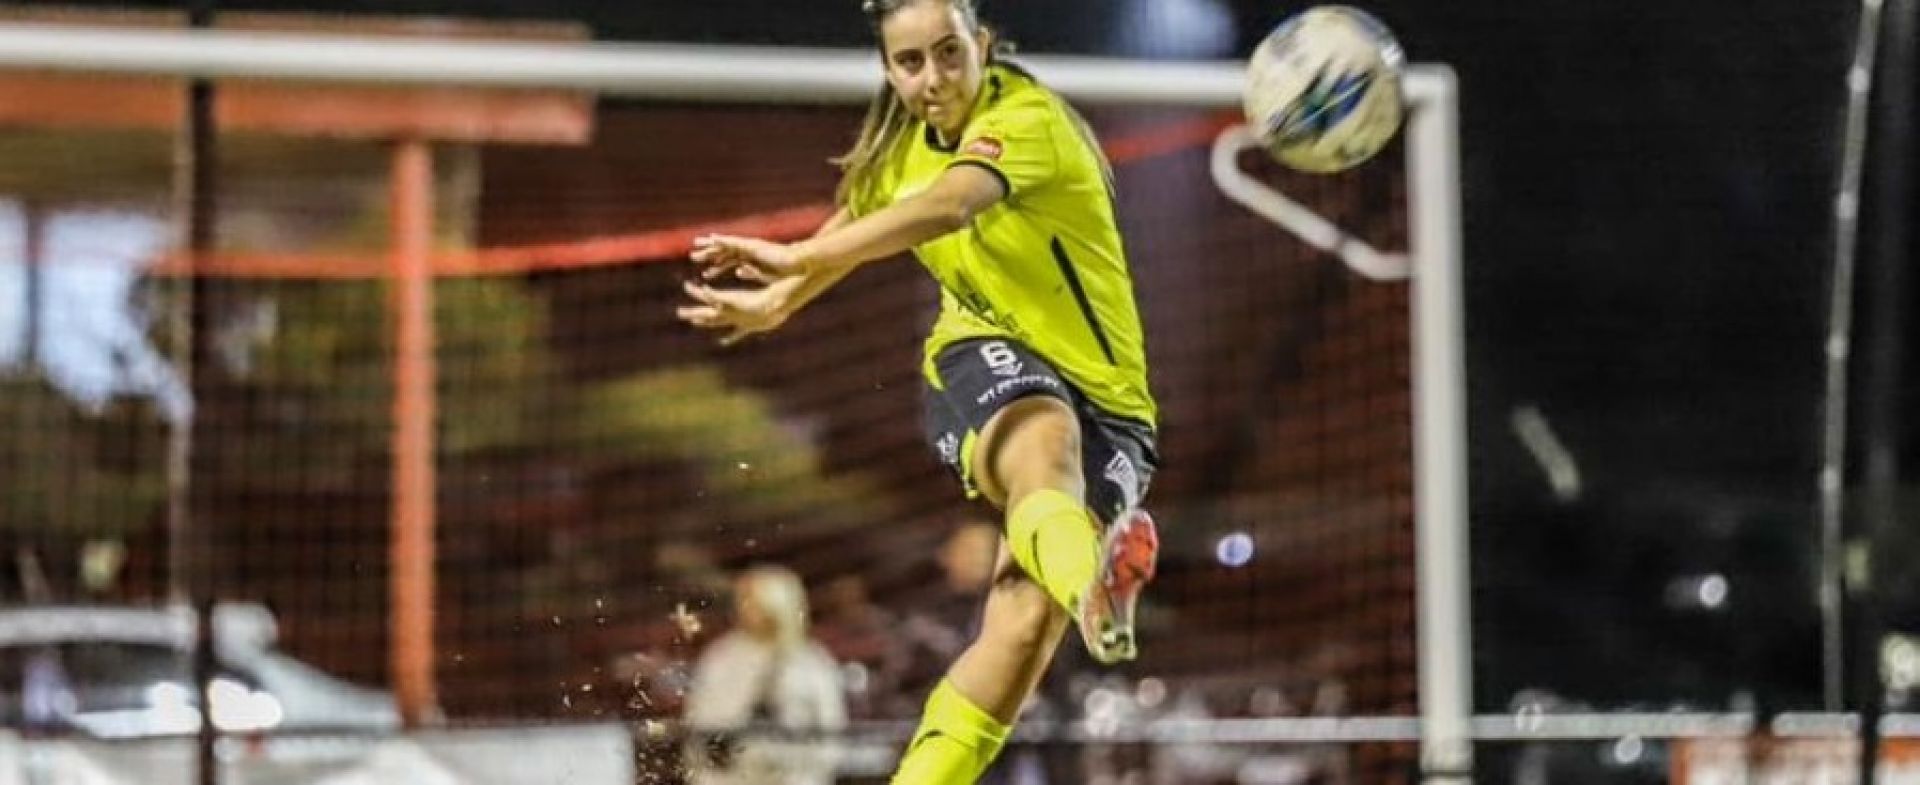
(935, 62)
(750, 610)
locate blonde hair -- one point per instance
(887, 116)
(778, 593)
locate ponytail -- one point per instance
(887, 117)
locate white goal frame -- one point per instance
(801, 75)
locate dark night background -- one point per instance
(1647, 191)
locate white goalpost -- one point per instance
(1446, 726)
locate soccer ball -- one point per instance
(1323, 90)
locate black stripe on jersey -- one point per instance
(1006, 187)
(1080, 296)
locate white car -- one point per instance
(122, 672)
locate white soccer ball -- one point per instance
(1323, 90)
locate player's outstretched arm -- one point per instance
(947, 205)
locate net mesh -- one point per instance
(602, 470)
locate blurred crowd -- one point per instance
(773, 679)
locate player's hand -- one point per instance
(746, 257)
(737, 313)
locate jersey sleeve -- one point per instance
(1015, 143)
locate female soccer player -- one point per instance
(1037, 391)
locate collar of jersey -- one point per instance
(987, 96)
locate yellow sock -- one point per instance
(1053, 538)
(955, 743)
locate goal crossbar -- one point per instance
(640, 70)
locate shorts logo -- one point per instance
(984, 147)
(1006, 386)
(1001, 359)
(948, 445)
(1121, 472)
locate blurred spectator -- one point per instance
(47, 701)
(941, 623)
(765, 675)
(865, 638)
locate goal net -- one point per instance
(598, 471)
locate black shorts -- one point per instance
(982, 375)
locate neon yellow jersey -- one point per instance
(1044, 266)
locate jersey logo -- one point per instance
(984, 147)
(1001, 359)
(1121, 472)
